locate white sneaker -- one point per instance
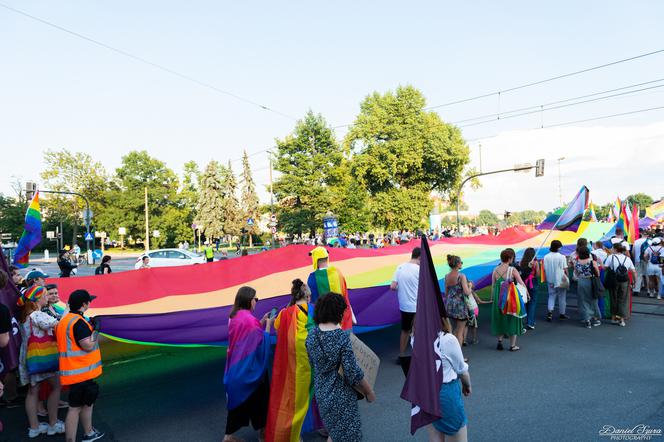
(58, 428)
(659, 296)
(32, 432)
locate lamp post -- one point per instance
(560, 186)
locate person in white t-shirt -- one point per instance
(405, 282)
(555, 268)
(640, 264)
(619, 294)
(654, 271)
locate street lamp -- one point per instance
(560, 186)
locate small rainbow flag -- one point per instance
(31, 236)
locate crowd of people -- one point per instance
(315, 381)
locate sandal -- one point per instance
(515, 348)
(500, 345)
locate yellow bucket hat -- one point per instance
(317, 254)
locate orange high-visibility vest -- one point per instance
(76, 364)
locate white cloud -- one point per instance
(611, 161)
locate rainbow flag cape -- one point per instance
(292, 409)
(331, 280)
(247, 358)
(31, 236)
(570, 219)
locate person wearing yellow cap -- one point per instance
(328, 279)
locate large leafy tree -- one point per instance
(308, 161)
(401, 149)
(248, 197)
(487, 218)
(77, 172)
(211, 201)
(139, 171)
(230, 209)
(642, 200)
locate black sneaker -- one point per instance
(549, 316)
(587, 324)
(96, 434)
(563, 317)
(530, 327)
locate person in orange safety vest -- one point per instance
(80, 365)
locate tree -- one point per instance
(399, 148)
(401, 208)
(487, 218)
(127, 196)
(249, 198)
(230, 209)
(642, 200)
(72, 172)
(308, 160)
(211, 201)
(351, 204)
(12, 216)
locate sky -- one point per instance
(58, 90)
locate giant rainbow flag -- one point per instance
(190, 305)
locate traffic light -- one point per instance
(539, 168)
(30, 189)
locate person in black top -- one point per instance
(5, 321)
(65, 264)
(105, 267)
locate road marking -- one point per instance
(140, 358)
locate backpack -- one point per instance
(644, 247)
(654, 256)
(621, 272)
(610, 277)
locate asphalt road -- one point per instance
(565, 384)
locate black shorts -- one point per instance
(407, 321)
(83, 393)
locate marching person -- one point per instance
(405, 282)
(80, 365)
(65, 265)
(329, 279)
(555, 268)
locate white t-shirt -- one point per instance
(407, 277)
(614, 262)
(637, 249)
(600, 254)
(555, 265)
(448, 350)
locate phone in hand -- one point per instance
(273, 313)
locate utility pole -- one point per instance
(560, 186)
(480, 157)
(147, 223)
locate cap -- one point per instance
(31, 294)
(34, 274)
(317, 254)
(616, 240)
(78, 298)
(657, 240)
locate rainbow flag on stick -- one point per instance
(31, 234)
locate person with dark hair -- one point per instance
(17, 279)
(53, 297)
(529, 272)
(37, 324)
(456, 290)
(503, 325)
(246, 374)
(105, 266)
(584, 270)
(329, 349)
(65, 264)
(405, 282)
(145, 262)
(557, 282)
(621, 265)
(291, 410)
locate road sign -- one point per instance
(89, 237)
(97, 254)
(122, 231)
(250, 222)
(273, 230)
(50, 234)
(273, 218)
(156, 233)
(87, 215)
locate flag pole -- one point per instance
(557, 221)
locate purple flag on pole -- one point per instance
(425, 375)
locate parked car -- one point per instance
(170, 258)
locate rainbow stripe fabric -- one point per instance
(331, 280)
(183, 305)
(31, 236)
(292, 409)
(570, 218)
(247, 358)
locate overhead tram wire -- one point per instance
(546, 80)
(500, 118)
(148, 62)
(539, 107)
(567, 123)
